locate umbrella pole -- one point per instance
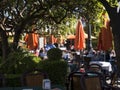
(81, 56)
(79, 64)
(104, 56)
(79, 60)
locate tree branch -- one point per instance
(58, 21)
(105, 4)
(112, 11)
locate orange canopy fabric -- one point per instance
(71, 36)
(100, 45)
(79, 37)
(53, 39)
(105, 37)
(31, 40)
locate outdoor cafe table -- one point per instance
(105, 65)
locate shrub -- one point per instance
(57, 70)
(54, 54)
(18, 62)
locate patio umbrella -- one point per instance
(105, 36)
(99, 45)
(52, 39)
(86, 36)
(31, 40)
(71, 36)
(79, 37)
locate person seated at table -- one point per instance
(42, 54)
(112, 55)
(98, 56)
(48, 46)
(66, 55)
(92, 51)
(90, 54)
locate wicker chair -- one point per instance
(73, 81)
(98, 68)
(33, 77)
(94, 81)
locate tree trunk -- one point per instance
(5, 47)
(16, 38)
(117, 48)
(114, 22)
(114, 18)
(18, 30)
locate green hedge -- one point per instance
(54, 54)
(55, 66)
(57, 70)
(19, 62)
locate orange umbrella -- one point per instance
(53, 39)
(105, 37)
(71, 36)
(99, 46)
(79, 37)
(32, 41)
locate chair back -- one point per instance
(91, 81)
(74, 81)
(95, 68)
(33, 77)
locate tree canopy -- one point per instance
(18, 16)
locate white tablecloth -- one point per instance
(62, 48)
(103, 64)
